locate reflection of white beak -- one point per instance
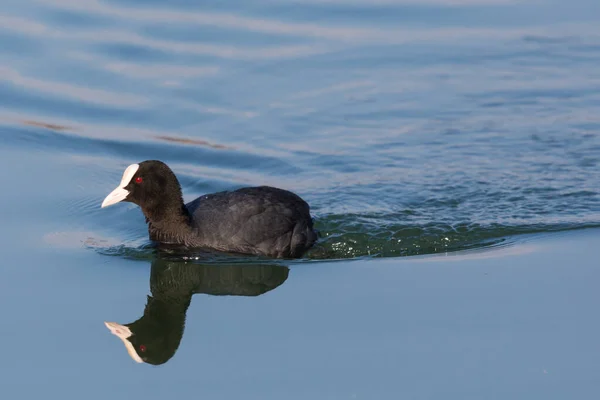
(120, 194)
(123, 332)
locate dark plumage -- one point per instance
(261, 220)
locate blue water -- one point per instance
(413, 128)
(409, 128)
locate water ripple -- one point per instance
(410, 127)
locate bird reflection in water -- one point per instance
(155, 337)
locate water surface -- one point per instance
(410, 127)
(413, 128)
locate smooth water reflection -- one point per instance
(156, 336)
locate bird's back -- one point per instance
(258, 220)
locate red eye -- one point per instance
(138, 179)
(142, 348)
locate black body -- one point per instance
(263, 220)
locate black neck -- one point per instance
(168, 222)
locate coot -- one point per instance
(260, 220)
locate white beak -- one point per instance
(123, 332)
(117, 195)
(120, 193)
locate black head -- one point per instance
(151, 185)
